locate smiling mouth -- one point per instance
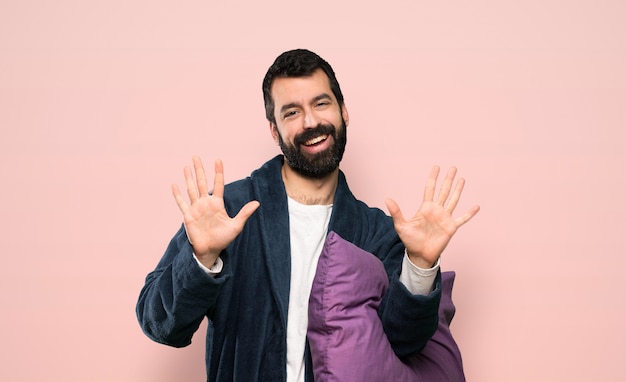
(316, 140)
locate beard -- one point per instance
(320, 164)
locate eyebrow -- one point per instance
(296, 104)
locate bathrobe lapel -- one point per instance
(345, 212)
(273, 215)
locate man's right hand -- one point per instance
(209, 228)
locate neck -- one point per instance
(307, 190)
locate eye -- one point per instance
(289, 114)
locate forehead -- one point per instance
(300, 89)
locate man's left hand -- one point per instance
(429, 231)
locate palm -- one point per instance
(208, 226)
(429, 231)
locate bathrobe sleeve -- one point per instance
(409, 321)
(177, 295)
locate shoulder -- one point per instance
(346, 198)
(265, 180)
(365, 226)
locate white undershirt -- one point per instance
(308, 226)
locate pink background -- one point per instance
(103, 102)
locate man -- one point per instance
(251, 275)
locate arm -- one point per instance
(178, 293)
(409, 320)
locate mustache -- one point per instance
(321, 129)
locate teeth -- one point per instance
(315, 140)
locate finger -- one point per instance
(218, 182)
(201, 182)
(192, 191)
(180, 201)
(246, 211)
(456, 196)
(431, 183)
(394, 211)
(446, 186)
(468, 216)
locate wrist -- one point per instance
(207, 259)
(420, 262)
(215, 270)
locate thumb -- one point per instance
(247, 211)
(394, 210)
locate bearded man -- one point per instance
(251, 274)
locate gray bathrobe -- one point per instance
(247, 303)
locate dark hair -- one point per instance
(296, 63)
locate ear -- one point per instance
(344, 114)
(274, 132)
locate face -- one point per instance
(310, 124)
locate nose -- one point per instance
(310, 119)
